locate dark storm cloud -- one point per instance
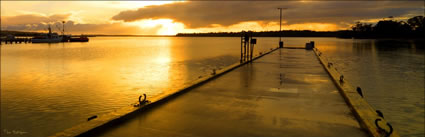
(32, 19)
(195, 14)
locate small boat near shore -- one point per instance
(79, 39)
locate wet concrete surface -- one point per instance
(285, 93)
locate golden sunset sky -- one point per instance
(171, 17)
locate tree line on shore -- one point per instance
(4, 33)
(386, 28)
(286, 33)
(389, 28)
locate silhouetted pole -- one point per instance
(280, 28)
(241, 47)
(280, 25)
(63, 28)
(244, 48)
(247, 48)
(251, 48)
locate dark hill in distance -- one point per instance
(286, 33)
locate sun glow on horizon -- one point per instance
(312, 26)
(262, 26)
(162, 26)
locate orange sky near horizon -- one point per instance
(172, 17)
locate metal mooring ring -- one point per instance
(380, 113)
(144, 99)
(381, 130)
(92, 117)
(359, 90)
(329, 65)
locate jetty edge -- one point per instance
(370, 119)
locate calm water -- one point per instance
(46, 88)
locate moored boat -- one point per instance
(80, 39)
(48, 38)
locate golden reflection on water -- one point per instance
(55, 82)
(149, 74)
(46, 88)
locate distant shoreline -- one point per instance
(344, 34)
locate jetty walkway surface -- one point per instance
(285, 93)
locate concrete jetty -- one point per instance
(284, 93)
